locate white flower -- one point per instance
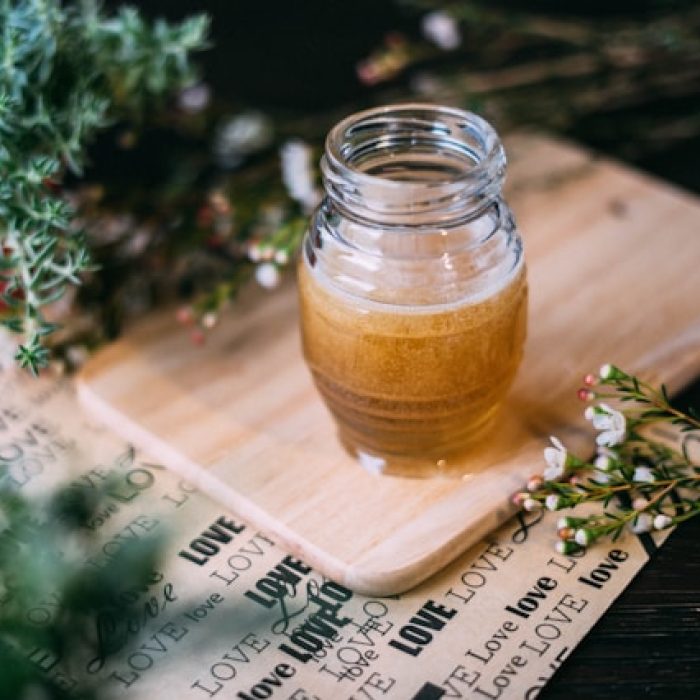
(603, 462)
(267, 275)
(556, 458)
(531, 504)
(606, 371)
(561, 547)
(442, 29)
(209, 320)
(642, 523)
(553, 502)
(612, 423)
(662, 521)
(241, 135)
(194, 98)
(583, 537)
(281, 257)
(643, 474)
(298, 174)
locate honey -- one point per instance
(419, 382)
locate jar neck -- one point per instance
(413, 164)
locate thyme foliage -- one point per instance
(66, 71)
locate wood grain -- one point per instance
(612, 263)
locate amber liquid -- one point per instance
(411, 385)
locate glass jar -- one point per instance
(412, 286)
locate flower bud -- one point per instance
(184, 315)
(554, 502)
(608, 371)
(209, 320)
(566, 547)
(590, 380)
(585, 394)
(519, 498)
(531, 504)
(662, 521)
(583, 537)
(535, 482)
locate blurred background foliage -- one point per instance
(622, 77)
(193, 202)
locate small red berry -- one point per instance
(585, 394)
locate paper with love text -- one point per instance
(229, 614)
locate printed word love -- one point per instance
(531, 600)
(201, 611)
(207, 544)
(431, 616)
(602, 573)
(266, 686)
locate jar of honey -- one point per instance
(412, 286)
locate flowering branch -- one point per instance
(654, 486)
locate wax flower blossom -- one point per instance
(442, 29)
(267, 275)
(642, 484)
(556, 459)
(298, 174)
(612, 423)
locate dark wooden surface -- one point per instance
(648, 644)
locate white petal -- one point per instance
(643, 474)
(267, 275)
(643, 523)
(553, 473)
(557, 443)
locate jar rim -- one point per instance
(478, 169)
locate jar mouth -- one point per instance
(413, 158)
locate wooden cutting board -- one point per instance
(613, 261)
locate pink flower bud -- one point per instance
(531, 504)
(590, 380)
(184, 315)
(585, 394)
(535, 482)
(519, 498)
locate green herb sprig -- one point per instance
(66, 71)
